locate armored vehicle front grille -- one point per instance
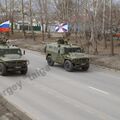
(16, 63)
(83, 60)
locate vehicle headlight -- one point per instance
(7, 63)
(87, 60)
(24, 62)
(28, 62)
(76, 60)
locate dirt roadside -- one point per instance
(112, 62)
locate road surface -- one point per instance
(60, 95)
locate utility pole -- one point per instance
(111, 35)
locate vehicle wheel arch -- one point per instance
(48, 55)
(3, 63)
(3, 69)
(68, 60)
(49, 60)
(70, 68)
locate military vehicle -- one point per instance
(70, 56)
(11, 59)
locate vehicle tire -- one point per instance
(3, 69)
(85, 68)
(24, 72)
(50, 61)
(68, 66)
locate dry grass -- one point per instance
(75, 40)
(103, 58)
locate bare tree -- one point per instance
(46, 14)
(12, 2)
(6, 6)
(111, 34)
(84, 16)
(23, 18)
(93, 25)
(40, 2)
(31, 20)
(103, 26)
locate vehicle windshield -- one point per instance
(10, 51)
(68, 50)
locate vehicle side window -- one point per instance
(19, 52)
(1, 52)
(61, 51)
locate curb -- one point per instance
(14, 109)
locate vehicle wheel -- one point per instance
(50, 61)
(85, 68)
(68, 66)
(2, 69)
(24, 72)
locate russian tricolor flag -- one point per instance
(5, 27)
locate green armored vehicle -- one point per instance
(71, 56)
(11, 59)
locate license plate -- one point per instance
(83, 64)
(17, 67)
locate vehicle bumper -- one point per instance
(77, 66)
(16, 68)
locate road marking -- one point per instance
(98, 90)
(72, 101)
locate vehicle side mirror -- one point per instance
(23, 52)
(59, 51)
(82, 50)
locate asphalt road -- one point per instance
(54, 94)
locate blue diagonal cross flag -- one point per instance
(63, 27)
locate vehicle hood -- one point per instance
(77, 55)
(12, 57)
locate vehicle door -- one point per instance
(60, 58)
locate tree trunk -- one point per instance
(41, 17)
(12, 15)
(6, 6)
(23, 19)
(31, 20)
(43, 32)
(93, 27)
(46, 15)
(103, 28)
(111, 35)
